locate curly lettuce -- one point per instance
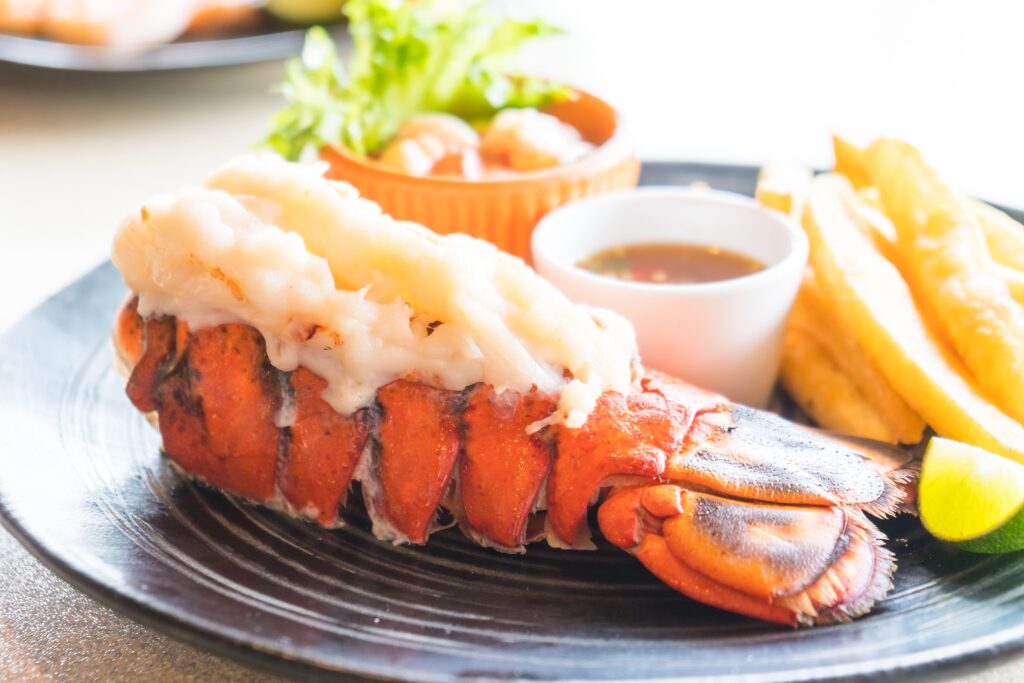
(407, 58)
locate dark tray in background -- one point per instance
(271, 40)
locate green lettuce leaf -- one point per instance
(407, 58)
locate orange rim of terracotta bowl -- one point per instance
(503, 211)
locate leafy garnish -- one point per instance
(408, 57)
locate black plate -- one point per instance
(273, 40)
(83, 486)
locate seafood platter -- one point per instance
(429, 389)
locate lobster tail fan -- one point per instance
(756, 455)
(858, 577)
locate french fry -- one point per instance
(807, 372)
(824, 370)
(869, 195)
(948, 265)
(783, 188)
(883, 233)
(850, 162)
(878, 227)
(1004, 236)
(999, 247)
(815, 317)
(1014, 279)
(819, 387)
(874, 303)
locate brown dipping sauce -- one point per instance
(669, 263)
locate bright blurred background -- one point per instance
(731, 81)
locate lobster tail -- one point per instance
(788, 564)
(858, 577)
(731, 506)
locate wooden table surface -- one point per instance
(77, 151)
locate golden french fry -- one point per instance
(850, 161)
(948, 265)
(875, 305)
(878, 227)
(869, 195)
(820, 388)
(813, 315)
(783, 188)
(883, 233)
(1002, 244)
(832, 378)
(809, 370)
(1014, 279)
(1004, 236)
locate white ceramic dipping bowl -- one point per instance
(726, 335)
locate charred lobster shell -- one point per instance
(731, 506)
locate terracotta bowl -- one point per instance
(502, 211)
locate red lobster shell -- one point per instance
(733, 507)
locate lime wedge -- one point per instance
(972, 498)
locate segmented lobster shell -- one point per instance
(691, 474)
(232, 420)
